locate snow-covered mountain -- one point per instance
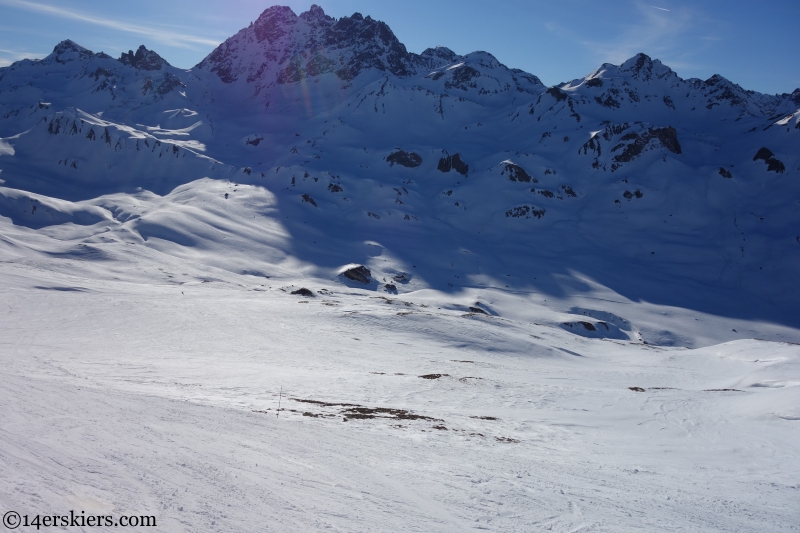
(631, 174)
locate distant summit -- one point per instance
(143, 59)
(68, 50)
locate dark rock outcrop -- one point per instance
(517, 173)
(635, 143)
(453, 162)
(525, 211)
(462, 78)
(557, 93)
(437, 57)
(161, 86)
(668, 137)
(358, 273)
(143, 59)
(302, 291)
(404, 159)
(773, 164)
(764, 154)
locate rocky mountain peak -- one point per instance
(373, 43)
(314, 13)
(719, 89)
(433, 58)
(439, 52)
(69, 50)
(637, 64)
(642, 68)
(716, 79)
(68, 45)
(282, 47)
(274, 23)
(143, 59)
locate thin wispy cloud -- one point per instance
(10, 56)
(18, 54)
(658, 31)
(162, 35)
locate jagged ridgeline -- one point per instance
(337, 117)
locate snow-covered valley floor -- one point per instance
(156, 399)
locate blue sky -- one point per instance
(752, 44)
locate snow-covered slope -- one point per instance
(630, 173)
(626, 229)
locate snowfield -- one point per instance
(400, 413)
(320, 283)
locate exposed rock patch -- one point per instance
(143, 59)
(160, 87)
(405, 159)
(355, 411)
(453, 162)
(516, 173)
(557, 93)
(635, 143)
(569, 191)
(359, 273)
(595, 330)
(525, 211)
(637, 193)
(462, 78)
(773, 164)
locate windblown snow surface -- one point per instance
(579, 309)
